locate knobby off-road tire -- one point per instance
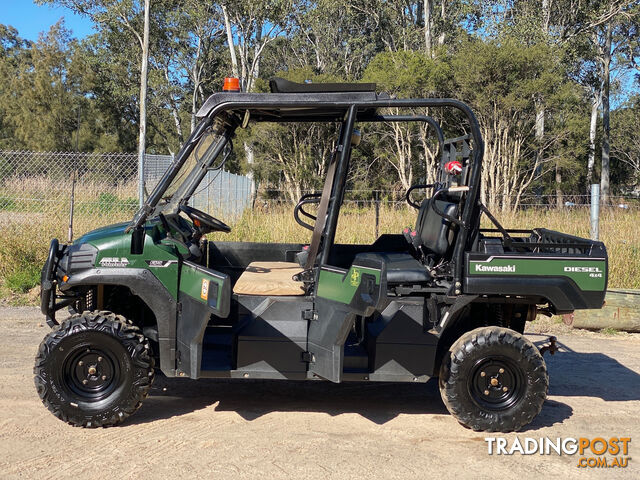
(493, 379)
(94, 370)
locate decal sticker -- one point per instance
(495, 268)
(160, 263)
(204, 291)
(355, 277)
(114, 262)
(589, 274)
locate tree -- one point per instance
(121, 31)
(250, 26)
(502, 82)
(407, 74)
(625, 146)
(606, 24)
(14, 53)
(534, 70)
(202, 32)
(44, 112)
(294, 156)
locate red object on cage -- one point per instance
(453, 167)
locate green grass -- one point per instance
(23, 279)
(7, 204)
(609, 331)
(106, 203)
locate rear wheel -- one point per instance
(493, 379)
(94, 370)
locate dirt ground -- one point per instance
(272, 429)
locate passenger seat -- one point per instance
(434, 235)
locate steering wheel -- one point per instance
(205, 222)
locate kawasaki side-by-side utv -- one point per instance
(445, 299)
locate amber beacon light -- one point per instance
(231, 84)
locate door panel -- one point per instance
(202, 292)
(341, 296)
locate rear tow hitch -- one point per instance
(552, 348)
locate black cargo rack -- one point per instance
(542, 240)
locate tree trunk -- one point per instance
(174, 109)
(540, 111)
(254, 72)
(248, 148)
(428, 25)
(143, 103)
(232, 47)
(546, 15)
(195, 76)
(595, 107)
(443, 12)
(559, 194)
(194, 107)
(606, 131)
(178, 123)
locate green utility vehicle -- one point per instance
(447, 299)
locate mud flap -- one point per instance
(341, 296)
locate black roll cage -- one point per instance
(227, 111)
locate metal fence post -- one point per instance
(208, 179)
(376, 199)
(141, 175)
(595, 211)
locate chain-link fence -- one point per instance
(40, 184)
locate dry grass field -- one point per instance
(25, 233)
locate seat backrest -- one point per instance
(435, 232)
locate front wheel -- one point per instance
(493, 379)
(94, 370)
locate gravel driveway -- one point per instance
(272, 429)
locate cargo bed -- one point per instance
(567, 271)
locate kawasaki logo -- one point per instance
(583, 269)
(496, 268)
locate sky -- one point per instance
(31, 19)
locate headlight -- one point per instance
(77, 258)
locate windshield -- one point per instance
(191, 172)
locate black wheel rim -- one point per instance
(91, 374)
(497, 383)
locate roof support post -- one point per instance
(339, 182)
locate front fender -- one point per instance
(145, 285)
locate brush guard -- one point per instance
(48, 304)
